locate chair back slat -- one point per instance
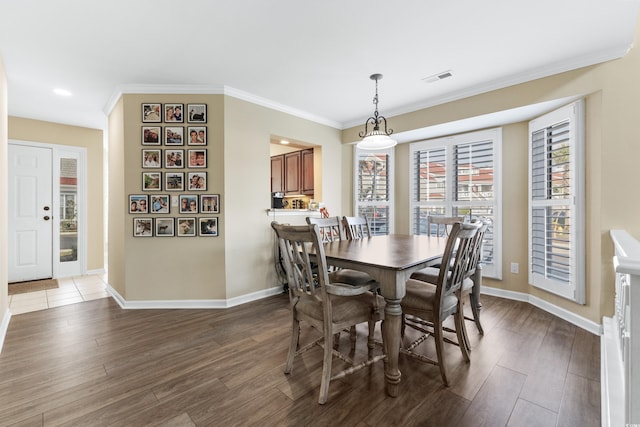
(330, 228)
(357, 227)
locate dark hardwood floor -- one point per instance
(94, 364)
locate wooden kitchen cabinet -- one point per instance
(307, 172)
(277, 173)
(292, 169)
(293, 173)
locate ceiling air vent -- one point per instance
(437, 77)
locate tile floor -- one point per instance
(70, 290)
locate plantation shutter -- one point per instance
(374, 188)
(556, 201)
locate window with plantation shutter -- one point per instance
(556, 202)
(374, 188)
(460, 176)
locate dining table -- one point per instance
(389, 259)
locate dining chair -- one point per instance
(472, 283)
(440, 225)
(331, 230)
(357, 227)
(427, 305)
(326, 305)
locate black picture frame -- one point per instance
(186, 227)
(197, 181)
(138, 204)
(152, 113)
(151, 135)
(152, 159)
(173, 135)
(210, 203)
(200, 135)
(196, 113)
(197, 159)
(188, 204)
(174, 181)
(164, 227)
(142, 227)
(208, 227)
(173, 113)
(151, 181)
(173, 159)
(159, 203)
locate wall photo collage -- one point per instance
(174, 157)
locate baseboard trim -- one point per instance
(193, 304)
(586, 324)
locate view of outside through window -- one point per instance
(373, 190)
(68, 210)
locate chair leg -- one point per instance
(437, 335)
(326, 369)
(370, 343)
(293, 347)
(461, 333)
(474, 298)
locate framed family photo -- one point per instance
(197, 113)
(197, 158)
(138, 203)
(151, 135)
(186, 227)
(188, 204)
(173, 113)
(208, 226)
(210, 203)
(142, 227)
(197, 181)
(197, 135)
(159, 203)
(151, 181)
(174, 181)
(173, 159)
(151, 158)
(173, 135)
(151, 113)
(164, 227)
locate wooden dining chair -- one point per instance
(427, 305)
(440, 225)
(331, 230)
(356, 227)
(472, 283)
(326, 305)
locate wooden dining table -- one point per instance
(390, 259)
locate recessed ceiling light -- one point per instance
(284, 142)
(62, 92)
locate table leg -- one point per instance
(391, 336)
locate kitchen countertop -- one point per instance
(291, 211)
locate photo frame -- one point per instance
(138, 203)
(173, 135)
(197, 181)
(152, 113)
(164, 227)
(174, 181)
(210, 203)
(159, 203)
(173, 159)
(208, 227)
(186, 227)
(142, 227)
(197, 135)
(188, 203)
(151, 181)
(197, 113)
(151, 135)
(197, 158)
(173, 113)
(151, 158)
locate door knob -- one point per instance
(46, 208)
(46, 218)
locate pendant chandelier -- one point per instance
(376, 139)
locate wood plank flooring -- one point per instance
(94, 364)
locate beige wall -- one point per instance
(4, 299)
(92, 139)
(238, 262)
(612, 152)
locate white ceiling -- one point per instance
(309, 58)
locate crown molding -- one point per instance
(214, 90)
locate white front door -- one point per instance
(30, 213)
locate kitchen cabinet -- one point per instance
(293, 173)
(277, 173)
